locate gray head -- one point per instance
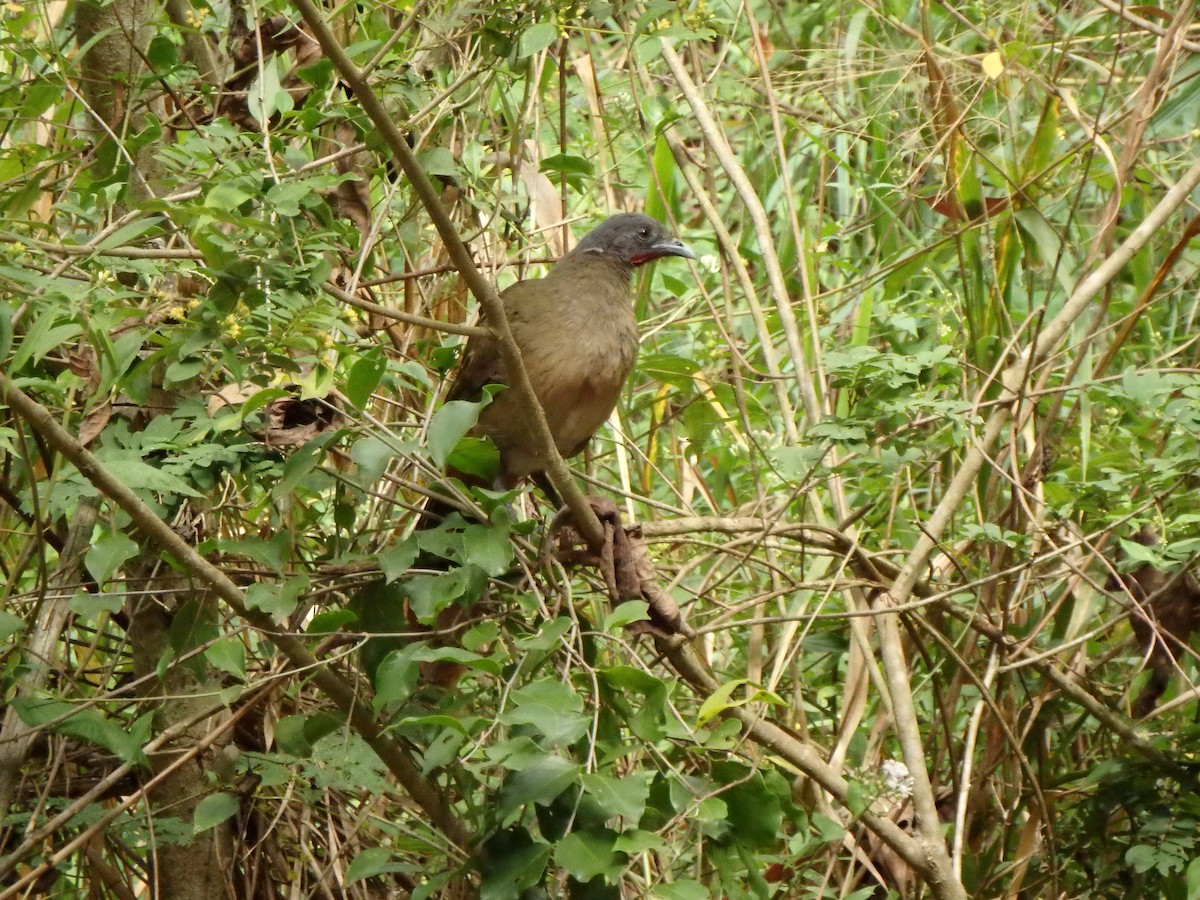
(634, 239)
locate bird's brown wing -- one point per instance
(481, 362)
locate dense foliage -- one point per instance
(885, 500)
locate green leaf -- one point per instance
(475, 456)
(1193, 879)
(651, 715)
(626, 614)
(681, 889)
(439, 161)
(10, 625)
(213, 810)
(753, 810)
(446, 722)
(430, 594)
(228, 655)
(397, 559)
(553, 708)
(624, 796)
(230, 194)
(162, 54)
(1051, 246)
(828, 830)
(266, 95)
(274, 551)
(130, 232)
(488, 547)
(37, 96)
(537, 38)
(320, 725)
(480, 635)
(330, 620)
(721, 699)
(372, 456)
(6, 330)
(637, 841)
(857, 800)
(84, 724)
(450, 424)
(192, 626)
(317, 384)
(591, 854)
(1142, 857)
(371, 862)
(565, 162)
(515, 754)
(183, 371)
(279, 600)
(396, 676)
(289, 199)
(107, 555)
(290, 736)
(548, 636)
(459, 656)
(434, 888)
(509, 875)
(42, 337)
(145, 478)
(443, 749)
(677, 371)
(661, 180)
(364, 377)
(259, 399)
(91, 606)
(539, 783)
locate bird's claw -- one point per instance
(624, 564)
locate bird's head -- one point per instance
(634, 239)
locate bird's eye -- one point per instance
(643, 232)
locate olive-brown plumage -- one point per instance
(578, 337)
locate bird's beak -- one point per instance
(672, 247)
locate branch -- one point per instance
(800, 753)
(1012, 381)
(484, 291)
(47, 829)
(399, 315)
(350, 699)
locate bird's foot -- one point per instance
(623, 562)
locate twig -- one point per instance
(1128, 15)
(399, 315)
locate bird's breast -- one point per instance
(580, 376)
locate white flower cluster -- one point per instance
(896, 777)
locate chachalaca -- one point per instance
(578, 337)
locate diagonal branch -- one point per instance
(348, 698)
(483, 290)
(1012, 382)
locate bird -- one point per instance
(578, 336)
